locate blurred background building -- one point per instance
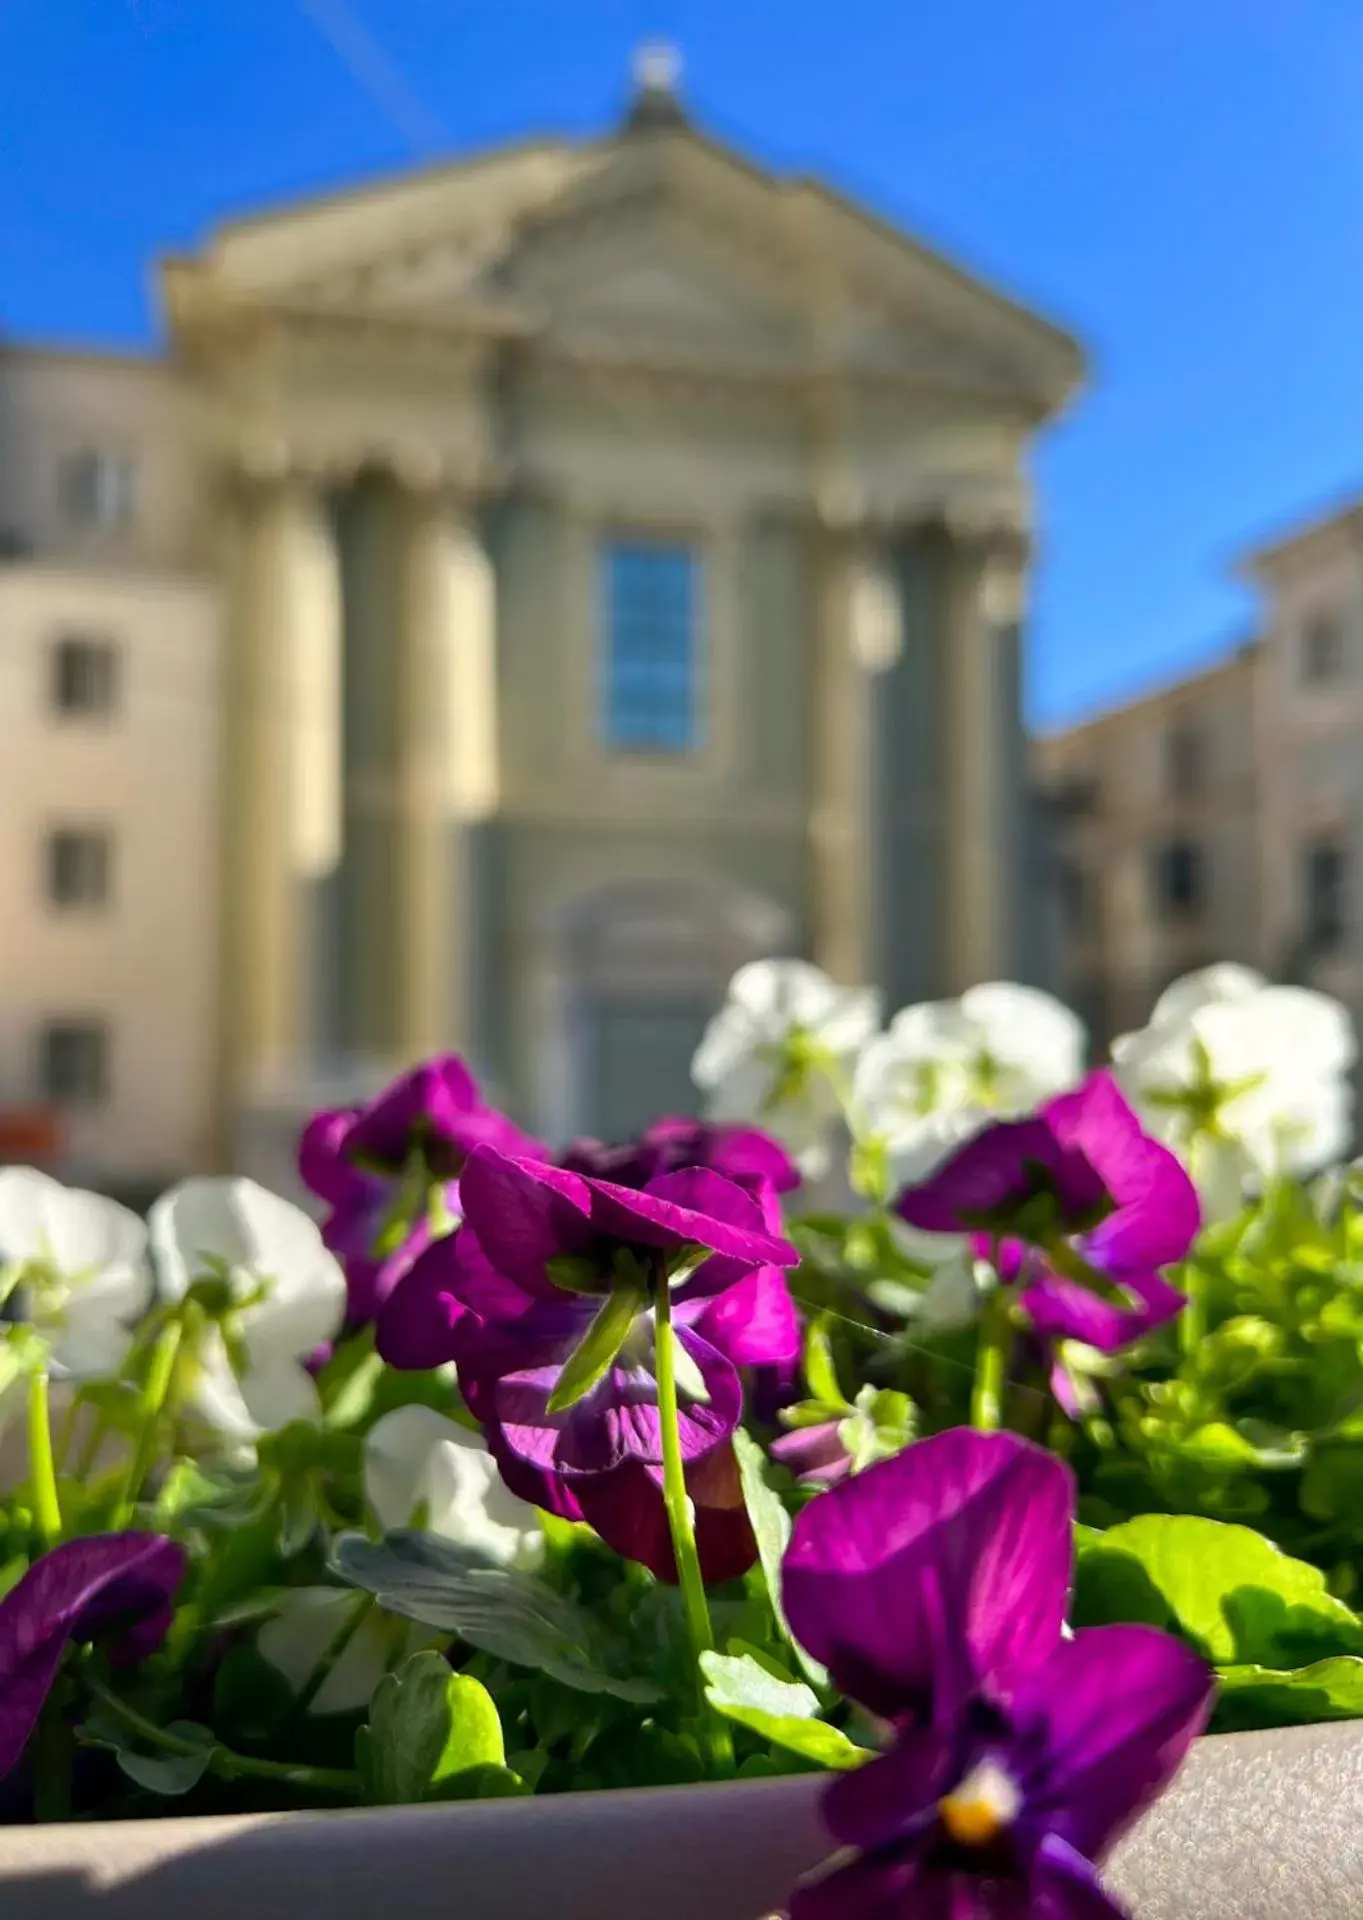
(524, 590)
(1155, 836)
(1221, 818)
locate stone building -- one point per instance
(621, 554)
(109, 772)
(1309, 751)
(1155, 827)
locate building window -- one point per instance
(1179, 879)
(1322, 649)
(1076, 896)
(651, 604)
(84, 674)
(1185, 759)
(98, 489)
(79, 861)
(74, 1062)
(1326, 880)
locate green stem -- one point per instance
(681, 1524)
(991, 1363)
(155, 1392)
(52, 1757)
(89, 1453)
(330, 1654)
(1192, 1322)
(42, 1468)
(223, 1761)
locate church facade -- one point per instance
(621, 554)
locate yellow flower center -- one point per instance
(977, 1811)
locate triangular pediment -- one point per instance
(667, 248)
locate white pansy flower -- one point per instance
(309, 1621)
(946, 1067)
(421, 1468)
(85, 1278)
(779, 1054)
(1245, 1080)
(288, 1293)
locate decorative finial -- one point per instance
(657, 69)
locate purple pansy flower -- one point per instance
(546, 1259)
(749, 1158)
(385, 1167)
(817, 1455)
(933, 1587)
(626, 1508)
(114, 1585)
(1079, 1206)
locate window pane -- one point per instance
(650, 600)
(73, 1061)
(78, 863)
(1179, 881)
(1322, 648)
(1326, 883)
(84, 675)
(98, 488)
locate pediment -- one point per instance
(670, 250)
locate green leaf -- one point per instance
(608, 1332)
(1226, 1589)
(513, 1615)
(427, 1728)
(782, 1711)
(169, 1774)
(1252, 1696)
(771, 1529)
(820, 1370)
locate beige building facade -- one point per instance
(1309, 751)
(620, 556)
(1222, 818)
(109, 770)
(1155, 828)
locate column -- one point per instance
(279, 790)
(446, 769)
(370, 523)
(980, 761)
(420, 767)
(839, 817)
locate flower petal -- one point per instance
(616, 1421)
(1062, 1309)
(1121, 1706)
(81, 1590)
(693, 1207)
(525, 1214)
(322, 1165)
(415, 1458)
(981, 1179)
(425, 1101)
(1157, 1214)
(944, 1567)
(626, 1509)
(753, 1323)
(1065, 1886)
(877, 1805)
(891, 1887)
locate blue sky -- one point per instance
(1178, 180)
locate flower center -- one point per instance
(985, 1802)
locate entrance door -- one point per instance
(638, 1060)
